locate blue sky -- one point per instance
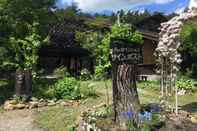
(92, 6)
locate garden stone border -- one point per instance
(34, 103)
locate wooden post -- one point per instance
(125, 58)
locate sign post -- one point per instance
(124, 58)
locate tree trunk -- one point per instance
(19, 85)
(28, 83)
(23, 86)
(126, 100)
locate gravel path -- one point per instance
(18, 120)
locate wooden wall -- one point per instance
(148, 49)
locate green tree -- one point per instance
(16, 19)
(189, 46)
(23, 26)
(26, 49)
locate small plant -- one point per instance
(20, 99)
(61, 72)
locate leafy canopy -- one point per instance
(26, 49)
(126, 32)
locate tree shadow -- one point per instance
(6, 90)
(41, 86)
(191, 107)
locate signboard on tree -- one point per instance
(123, 52)
(124, 57)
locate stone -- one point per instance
(20, 106)
(59, 101)
(34, 99)
(63, 103)
(51, 104)
(33, 104)
(14, 102)
(193, 120)
(41, 100)
(8, 107)
(42, 104)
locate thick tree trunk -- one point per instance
(23, 86)
(126, 100)
(19, 85)
(28, 83)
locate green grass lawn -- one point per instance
(59, 118)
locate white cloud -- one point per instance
(99, 5)
(193, 3)
(163, 1)
(92, 5)
(180, 10)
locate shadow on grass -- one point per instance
(191, 107)
(41, 86)
(6, 90)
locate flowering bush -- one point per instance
(85, 75)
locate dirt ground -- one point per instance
(18, 120)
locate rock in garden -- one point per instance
(193, 120)
(42, 104)
(41, 100)
(13, 102)
(63, 103)
(33, 104)
(184, 114)
(9, 106)
(51, 103)
(34, 99)
(20, 106)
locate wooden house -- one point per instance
(149, 28)
(65, 51)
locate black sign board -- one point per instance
(124, 52)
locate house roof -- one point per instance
(52, 51)
(149, 35)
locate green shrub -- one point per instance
(186, 84)
(61, 72)
(85, 75)
(67, 88)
